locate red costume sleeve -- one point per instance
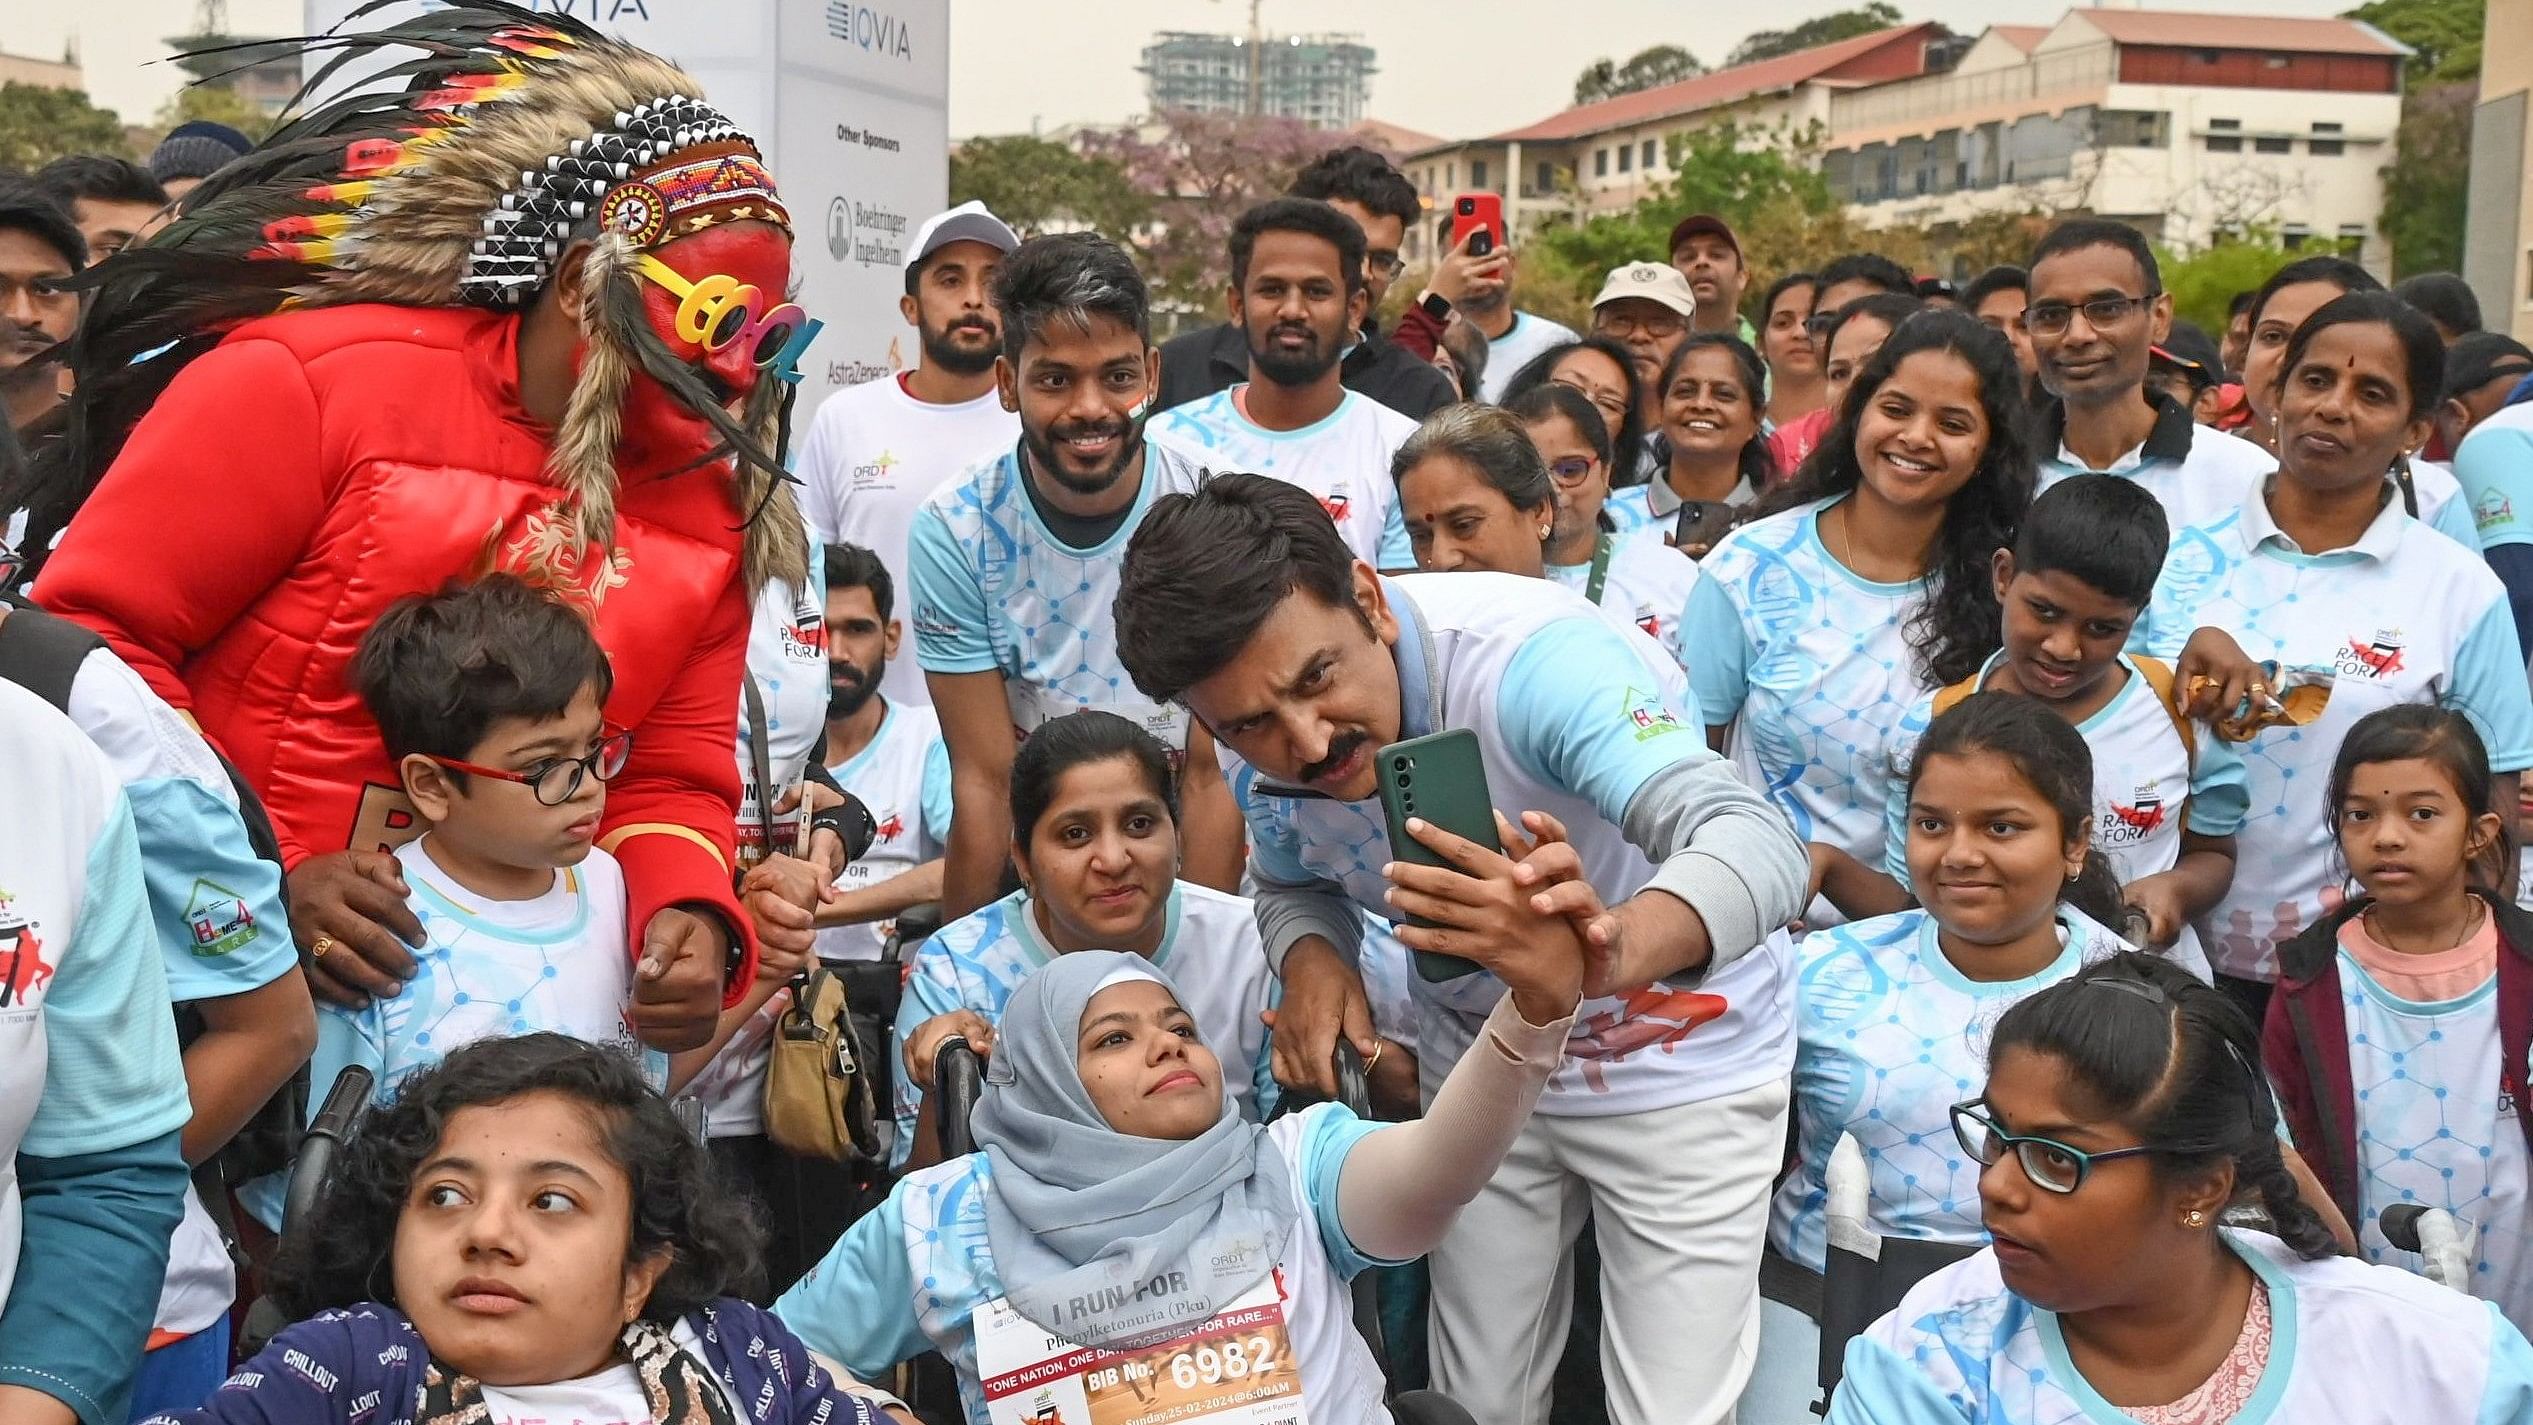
(235, 439)
(1417, 333)
(683, 776)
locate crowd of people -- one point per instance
(2003, 901)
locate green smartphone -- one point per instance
(1441, 778)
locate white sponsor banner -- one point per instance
(850, 101)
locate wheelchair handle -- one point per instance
(958, 1076)
(344, 1101)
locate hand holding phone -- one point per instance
(1440, 779)
(1481, 215)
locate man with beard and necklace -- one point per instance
(1297, 290)
(876, 450)
(888, 754)
(1013, 566)
(1367, 188)
(39, 245)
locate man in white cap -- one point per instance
(1647, 308)
(876, 450)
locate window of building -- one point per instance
(2225, 136)
(2273, 145)
(2135, 128)
(2294, 236)
(1647, 157)
(2209, 56)
(1477, 173)
(1626, 157)
(2275, 61)
(1547, 178)
(2326, 140)
(1451, 175)
(1600, 163)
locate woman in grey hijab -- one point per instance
(1120, 1204)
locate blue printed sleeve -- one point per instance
(937, 809)
(1579, 711)
(216, 904)
(1895, 802)
(112, 1075)
(1329, 1133)
(953, 631)
(1396, 551)
(2495, 467)
(1716, 651)
(2489, 686)
(2220, 788)
(1879, 1388)
(2453, 520)
(857, 1304)
(2507, 1399)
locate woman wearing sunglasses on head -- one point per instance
(1520, 489)
(2124, 1117)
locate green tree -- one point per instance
(39, 124)
(1036, 185)
(1827, 29)
(1647, 69)
(2203, 281)
(2445, 35)
(2426, 187)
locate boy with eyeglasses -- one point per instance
(2097, 311)
(488, 698)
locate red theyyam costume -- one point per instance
(338, 424)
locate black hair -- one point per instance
(1870, 267)
(27, 208)
(1757, 464)
(2145, 1044)
(1535, 405)
(1888, 308)
(2240, 303)
(1203, 571)
(1783, 285)
(1307, 216)
(2423, 351)
(99, 178)
(2050, 754)
(2326, 267)
(2188, 349)
(2444, 737)
(850, 566)
(1079, 739)
(2004, 277)
(682, 1205)
(2478, 358)
(2077, 234)
(1957, 624)
(1362, 177)
(1629, 437)
(2446, 298)
(438, 670)
(1068, 277)
(1488, 439)
(2107, 531)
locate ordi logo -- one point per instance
(874, 30)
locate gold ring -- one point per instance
(318, 947)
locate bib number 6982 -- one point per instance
(1232, 1360)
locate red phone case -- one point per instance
(1488, 214)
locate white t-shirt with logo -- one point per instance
(88, 1059)
(903, 777)
(1527, 337)
(2219, 472)
(787, 658)
(2404, 615)
(872, 455)
(1647, 587)
(2143, 779)
(996, 591)
(1811, 664)
(1342, 459)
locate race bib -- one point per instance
(1033, 706)
(750, 842)
(1236, 1369)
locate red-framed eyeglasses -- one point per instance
(555, 779)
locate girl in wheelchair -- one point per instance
(2125, 1118)
(526, 1233)
(2420, 989)
(1124, 1232)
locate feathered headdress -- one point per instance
(458, 177)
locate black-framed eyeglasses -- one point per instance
(1388, 264)
(2051, 318)
(2051, 1165)
(1571, 467)
(555, 779)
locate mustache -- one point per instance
(969, 323)
(1338, 751)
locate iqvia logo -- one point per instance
(872, 29)
(596, 12)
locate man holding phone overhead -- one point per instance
(1475, 279)
(1629, 837)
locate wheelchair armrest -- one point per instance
(344, 1100)
(958, 1077)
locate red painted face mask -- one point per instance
(707, 298)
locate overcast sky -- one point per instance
(1456, 68)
